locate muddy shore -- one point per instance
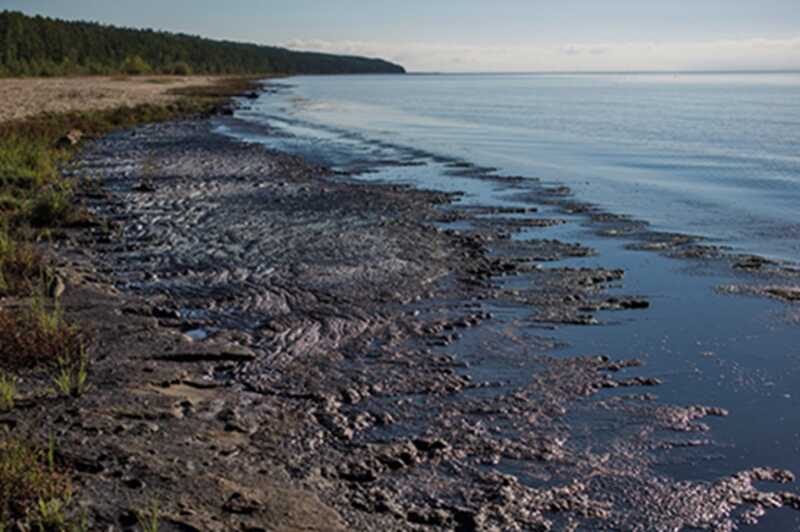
(277, 347)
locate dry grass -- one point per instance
(32, 489)
(33, 197)
(24, 98)
(20, 265)
(72, 376)
(221, 89)
(38, 336)
(8, 392)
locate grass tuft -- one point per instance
(26, 163)
(8, 392)
(32, 488)
(38, 336)
(72, 376)
(53, 207)
(19, 264)
(148, 519)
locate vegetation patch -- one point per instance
(20, 263)
(33, 195)
(35, 494)
(72, 376)
(40, 46)
(8, 392)
(149, 519)
(38, 336)
(26, 162)
(37, 342)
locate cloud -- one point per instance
(578, 49)
(742, 54)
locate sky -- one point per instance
(482, 35)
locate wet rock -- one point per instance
(232, 353)
(787, 294)
(238, 503)
(791, 499)
(432, 446)
(784, 293)
(360, 472)
(135, 484)
(351, 396)
(614, 303)
(753, 263)
(645, 381)
(429, 517)
(166, 313)
(72, 138)
(144, 187)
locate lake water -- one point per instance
(709, 154)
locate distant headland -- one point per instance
(41, 46)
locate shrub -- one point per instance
(54, 208)
(182, 69)
(10, 204)
(135, 65)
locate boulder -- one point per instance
(72, 138)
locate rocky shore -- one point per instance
(277, 347)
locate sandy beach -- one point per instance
(27, 97)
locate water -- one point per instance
(711, 154)
(714, 155)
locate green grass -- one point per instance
(33, 490)
(72, 376)
(26, 163)
(54, 207)
(36, 201)
(20, 264)
(8, 392)
(148, 520)
(39, 336)
(34, 198)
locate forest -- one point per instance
(41, 46)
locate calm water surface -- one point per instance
(710, 154)
(715, 155)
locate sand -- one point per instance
(25, 97)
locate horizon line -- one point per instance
(599, 72)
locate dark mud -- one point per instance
(282, 348)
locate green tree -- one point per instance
(135, 65)
(181, 68)
(36, 45)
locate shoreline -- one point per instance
(325, 373)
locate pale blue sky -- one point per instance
(482, 34)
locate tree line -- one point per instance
(41, 46)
